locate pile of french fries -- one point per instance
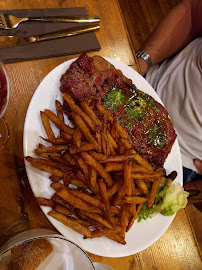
(100, 181)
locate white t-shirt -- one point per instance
(178, 82)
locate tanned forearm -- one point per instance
(180, 26)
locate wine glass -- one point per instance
(4, 96)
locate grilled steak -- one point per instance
(77, 78)
(146, 121)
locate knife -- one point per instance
(10, 41)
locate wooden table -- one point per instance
(178, 247)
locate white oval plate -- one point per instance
(141, 235)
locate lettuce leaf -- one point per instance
(147, 213)
(175, 199)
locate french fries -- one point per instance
(59, 110)
(53, 148)
(77, 110)
(134, 216)
(153, 193)
(136, 200)
(77, 137)
(83, 147)
(46, 125)
(128, 178)
(142, 186)
(80, 122)
(44, 201)
(93, 177)
(118, 158)
(105, 200)
(37, 163)
(97, 218)
(100, 182)
(90, 113)
(120, 194)
(88, 199)
(61, 210)
(123, 134)
(104, 111)
(55, 140)
(58, 122)
(76, 201)
(70, 222)
(125, 215)
(111, 234)
(99, 168)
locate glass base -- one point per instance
(4, 134)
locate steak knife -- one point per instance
(10, 41)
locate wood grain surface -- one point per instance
(142, 16)
(178, 247)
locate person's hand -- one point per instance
(198, 164)
(142, 65)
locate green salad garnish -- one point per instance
(169, 199)
(145, 213)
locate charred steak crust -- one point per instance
(77, 78)
(146, 121)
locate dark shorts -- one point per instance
(189, 175)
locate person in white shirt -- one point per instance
(175, 50)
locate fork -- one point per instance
(10, 22)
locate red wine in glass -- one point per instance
(4, 94)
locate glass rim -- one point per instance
(8, 89)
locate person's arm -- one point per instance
(180, 26)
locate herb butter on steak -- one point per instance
(146, 121)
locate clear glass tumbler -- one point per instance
(66, 255)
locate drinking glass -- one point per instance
(4, 96)
(66, 255)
